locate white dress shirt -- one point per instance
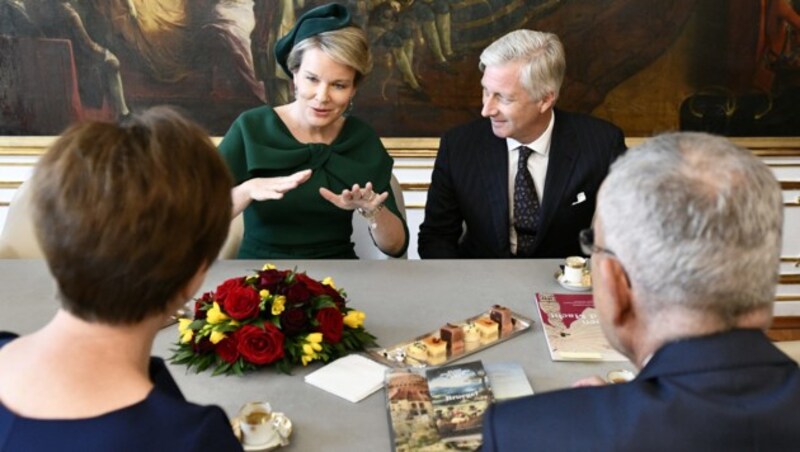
(537, 166)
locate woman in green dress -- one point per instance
(302, 168)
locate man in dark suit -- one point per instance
(480, 204)
(685, 255)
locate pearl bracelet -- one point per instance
(370, 215)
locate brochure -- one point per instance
(441, 409)
(572, 328)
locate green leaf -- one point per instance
(222, 368)
(227, 328)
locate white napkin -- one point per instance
(351, 378)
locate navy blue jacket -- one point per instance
(732, 391)
(469, 186)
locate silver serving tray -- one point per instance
(395, 355)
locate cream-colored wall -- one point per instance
(414, 164)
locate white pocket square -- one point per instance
(580, 198)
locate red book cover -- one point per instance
(572, 328)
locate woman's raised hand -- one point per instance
(264, 188)
(355, 198)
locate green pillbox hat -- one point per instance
(318, 20)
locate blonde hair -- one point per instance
(348, 46)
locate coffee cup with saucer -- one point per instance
(575, 275)
(259, 428)
(620, 376)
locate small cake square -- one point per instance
(454, 336)
(502, 316)
(472, 336)
(488, 328)
(417, 351)
(437, 349)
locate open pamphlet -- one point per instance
(442, 408)
(572, 328)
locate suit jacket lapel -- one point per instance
(494, 161)
(561, 164)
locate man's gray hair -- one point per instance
(542, 54)
(696, 222)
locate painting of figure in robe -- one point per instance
(730, 67)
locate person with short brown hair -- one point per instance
(129, 217)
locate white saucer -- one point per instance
(272, 445)
(559, 276)
(262, 447)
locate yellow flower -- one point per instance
(187, 336)
(354, 319)
(183, 325)
(216, 337)
(278, 305)
(328, 281)
(268, 267)
(311, 347)
(264, 294)
(215, 315)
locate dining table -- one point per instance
(402, 299)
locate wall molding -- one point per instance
(426, 147)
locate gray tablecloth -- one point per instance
(402, 299)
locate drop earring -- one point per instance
(349, 109)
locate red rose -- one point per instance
(202, 347)
(330, 324)
(224, 289)
(297, 294)
(206, 299)
(242, 303)
(269, 279)
(313, 286)
(260, 346)
(293, 321)
(336, 297)
(227, 349)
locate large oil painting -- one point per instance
(726, 66)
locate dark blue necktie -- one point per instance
(526, 206)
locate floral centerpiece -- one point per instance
(272, 317)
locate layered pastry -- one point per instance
(472, 336)
(437, 349)
(489, 329)
(454, 336)
(417, 351)
(502, 315)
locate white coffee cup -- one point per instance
(257, 423)
(620, 376)
(573, 270)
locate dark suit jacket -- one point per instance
(725, 392)
(469, 187)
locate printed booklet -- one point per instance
(442, 408)
(572, 328)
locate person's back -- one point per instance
(689, 397)
(685, 254)
(116, 214)
(161, 421)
